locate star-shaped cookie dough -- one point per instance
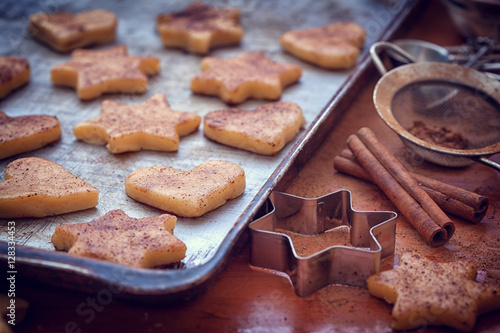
(64, 31)
(251, 75)
(26, 133)
(116, 237)
(199, 28)
(151, 125)
(429, 293)
(95, 72)
(14, 73)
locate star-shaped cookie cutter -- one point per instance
(372, 236)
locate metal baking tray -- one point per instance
(213, 238)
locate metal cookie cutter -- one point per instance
(372, 236)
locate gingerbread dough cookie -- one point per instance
(151, 125)
(265, 130)
(335, 46)
(251, 75)
(187, 193)
(116, 237)
(93, 73)
(26, 133)
(14, 73)
(36, 187)
(64, 31)
(200, 28)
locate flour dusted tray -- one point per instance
(212, 238)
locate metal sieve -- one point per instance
(480, 53)
(457, 101)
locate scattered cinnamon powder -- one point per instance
(306, 245)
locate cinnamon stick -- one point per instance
(433, 232)
(398, 171)
(451, 199)
(477, 203)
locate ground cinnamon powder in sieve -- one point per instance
(441, 136)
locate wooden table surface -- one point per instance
(249, 299)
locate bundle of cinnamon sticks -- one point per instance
(420, 199)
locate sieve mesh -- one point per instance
(449, 114)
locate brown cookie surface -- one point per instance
(251, 75)
(93, 73)
(64, 31)
(116, 237)
(26, 133)
(265, 130)
(14, 73)
(334, 46)
(189, 193)
(151, 125)
(36, 187)
(199, 28)
(431, 293)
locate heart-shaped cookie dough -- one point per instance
(36, 187)
(265, 130)
(14, 73)
(334, 46)
(187, 193)
(26, 133)
(64, 31)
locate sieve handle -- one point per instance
(488, 162)
(377, 47)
